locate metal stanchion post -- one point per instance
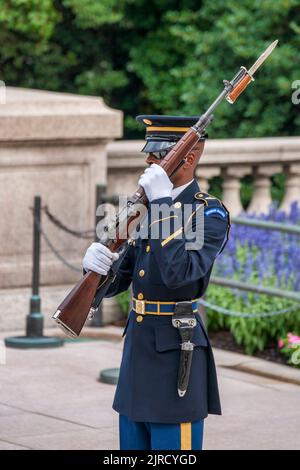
(97, 319)
(109, 376)
(34, 321)
(101, 198)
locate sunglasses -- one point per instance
(160, 155)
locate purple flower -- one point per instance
(265, 255)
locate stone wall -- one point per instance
(231, 159)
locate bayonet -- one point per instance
(262, 58)
(244, 77)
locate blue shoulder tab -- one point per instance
(215, 210)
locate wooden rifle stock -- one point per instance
(72, 313)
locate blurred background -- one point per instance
(75, 73)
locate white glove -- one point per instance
(98, 258)
(156, 182)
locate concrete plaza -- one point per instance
(51, 399)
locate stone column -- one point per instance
(262, 199)
(292, 192)
(203, 176)
(203, 183)
(232, 187)
(52, 145)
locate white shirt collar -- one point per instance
(179, 189)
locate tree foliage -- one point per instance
(162, 56)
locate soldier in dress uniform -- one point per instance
(167, 384)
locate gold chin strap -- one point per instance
(167, 129)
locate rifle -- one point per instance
(88, 293)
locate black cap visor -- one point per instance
(157, 146)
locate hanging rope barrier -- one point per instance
(89, 234)
(53, 249)
(231, 313)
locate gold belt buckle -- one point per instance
(140, 307)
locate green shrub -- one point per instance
(252, 333)
(163, 56)
(123, 301)
(266, 258)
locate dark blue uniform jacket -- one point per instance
(163, 269)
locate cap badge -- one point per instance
(147, 121)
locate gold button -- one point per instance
(177, 205)
(141, 273)
(140, 296)
(139, 318)
(147, 248)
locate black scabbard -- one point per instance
(185, 363)
(185, 321)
